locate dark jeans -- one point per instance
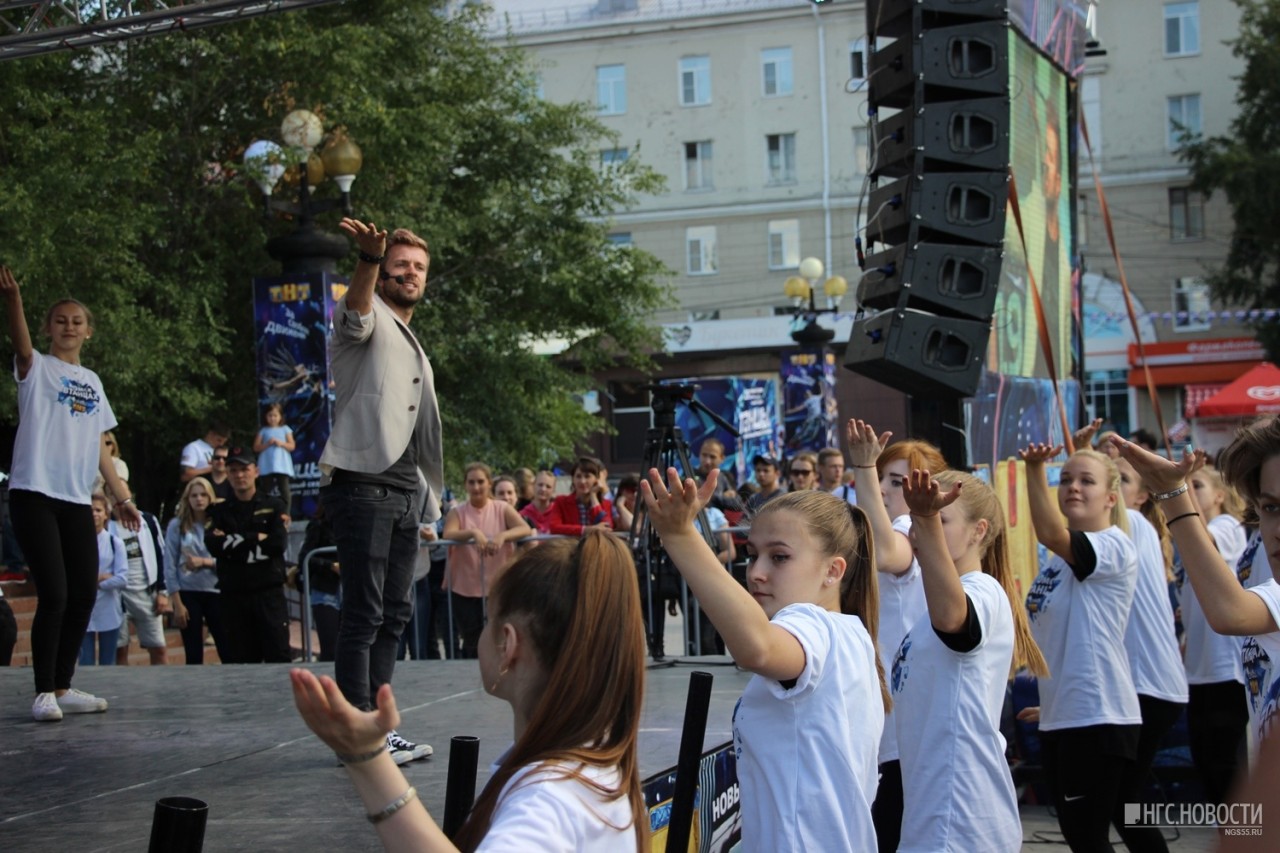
(8, 632)
(278, 486)
(886, 809)
(257, 626)
(99, 648)
(1217, 719)
(326, 620)
(61, 547)
(467, 614)
(419, 638)
(376, 532)
(203, 608)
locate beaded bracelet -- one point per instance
(1164, 496)
(360, 757)
(394, 806)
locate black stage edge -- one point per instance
(229, 735)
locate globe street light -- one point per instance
(801, 290)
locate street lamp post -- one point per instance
(802, 291)
(306, 248)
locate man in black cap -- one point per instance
(247, 538)
(766, 470)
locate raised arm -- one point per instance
(943, 592)
(893, 549)
(1051, 528)
(130, 517)
(364, 280)
(1229, 608)
(755, 643)
(19, 334)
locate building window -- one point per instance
(784, 244)
(776, 66)
(700, 249)
(695, 81)
(858, 60)
(697, 165)
(613, 156)
(620, 238)
(861, 150)
(704, 315)
(1186, 214)
(1181, 29)
(1191, 305)
(1184, 117)
(611, 89)
(1106, 396)
(781, 161)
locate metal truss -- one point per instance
(34, 27)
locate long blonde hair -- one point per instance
(186, 518)
(842, 530)
(1119, 513)
(978, 500)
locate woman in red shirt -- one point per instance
(586, 508)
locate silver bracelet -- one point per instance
(361, 757)
(394, 806)
(1164, 496)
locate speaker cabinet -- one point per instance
(919, 353)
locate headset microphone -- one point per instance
(399, 279)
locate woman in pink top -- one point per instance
(489, 526)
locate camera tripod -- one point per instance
(665, 447)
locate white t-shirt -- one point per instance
(807, 753)
(197, 454)
(1254, 566)
(1080, 626)
(62, 414)
(1259, 656)
(1150, 640)
(848, 494)
(1212, 658)
(901, 606)
(539, 809)
(957, 791)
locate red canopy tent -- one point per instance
(1256, 392)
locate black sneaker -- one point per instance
(400, 747)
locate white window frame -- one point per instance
(1186, 17)
(1191, 294)
(777, 60)
(612, 156)
(619, 238)
(1190, 202)
(695, 81)
(700, 250)
(1176, 109)
(784, 244)
(697, 169)
(611, 90)
(780, 160)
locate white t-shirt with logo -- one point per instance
(1212, 658)
(541, 809)
(901, 606)
(62, 414)
(197, 454)
(807, 753)
(1259, 656)
(1150, 638)
(957, 791)
(1080, 626)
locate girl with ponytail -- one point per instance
(807, 727)
(950, 672)
(565, 647)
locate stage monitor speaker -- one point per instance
(950, 63)
(944, 137)
(951, 280)
(893, 18)
(919, 353)
(967, 207)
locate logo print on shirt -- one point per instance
(737, 736)
(1244, 566)
(1260, 684)
(899, 671)
(1041, 589)
(79, 397)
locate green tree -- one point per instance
(1245, 164)
(119, 184)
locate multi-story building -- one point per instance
(755, 111)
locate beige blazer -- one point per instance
(382, 384)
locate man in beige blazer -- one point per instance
(382, 466)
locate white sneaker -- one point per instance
(45, 709)
(415, 751)
(78, 702)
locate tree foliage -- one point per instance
(1245, 164)
(119, 184)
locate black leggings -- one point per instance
(886, 811)
(61, 547)
(1217, 719)
(1084, 767)
(1158, 716)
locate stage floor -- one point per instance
(229, 735)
